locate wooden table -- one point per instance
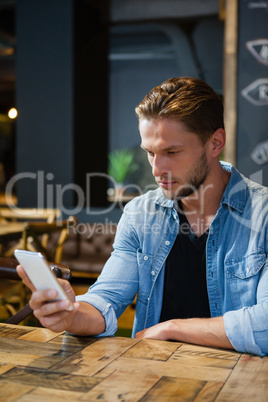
(11, 230)
(25, 214)
(39, 365)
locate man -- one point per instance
(194, 251)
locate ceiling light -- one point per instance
(12, 114)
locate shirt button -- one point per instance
(153, 273)
(247, 270)
(145, 257)
(167, 243)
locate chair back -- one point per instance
(14, 301)
(16, 214)
(47, 238)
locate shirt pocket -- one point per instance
(145, 267)
(243, 278)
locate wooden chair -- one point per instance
(12, 221)
(47, 238)
(48, 215)
(8, 272)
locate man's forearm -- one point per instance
(87, 321)
(199, 331)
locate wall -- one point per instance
(252, 108)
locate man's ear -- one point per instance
(217, 142)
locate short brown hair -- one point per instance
(188, 100)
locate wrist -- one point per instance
(171, 329)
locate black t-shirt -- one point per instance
(185, 287)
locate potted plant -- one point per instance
(121, 165)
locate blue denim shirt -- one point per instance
(237, 264)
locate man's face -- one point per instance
(177, 156)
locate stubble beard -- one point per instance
(193, 182)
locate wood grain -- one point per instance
(5, 367)
(13, 392)
(152, 349)
(200, 356)
(121, 386)
(254, 387)
(65, 339)
(40, 355)
(13, 331)
(172, 368)
(49, 379)
(40, 394)
(38, 365)
(174, 389)
(39, 335)
(95, 357)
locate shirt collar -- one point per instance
(235, 194)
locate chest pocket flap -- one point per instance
(246, 267)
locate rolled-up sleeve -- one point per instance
(117, 284)
(241, 334)
(105, 309)
(247, 328)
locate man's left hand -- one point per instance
(159, 331)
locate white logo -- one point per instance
(257, 92)
(257, 4)
(259, 49)
(260, 153)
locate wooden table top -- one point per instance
(25, 214)
(12, 230)
(39, 365)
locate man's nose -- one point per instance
(158, 166)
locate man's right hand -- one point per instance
(52, 315)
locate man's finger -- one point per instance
(22, 274)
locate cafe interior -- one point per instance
(71, 74)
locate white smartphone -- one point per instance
(40, 274)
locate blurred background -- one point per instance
(75, 70)
(71, 74)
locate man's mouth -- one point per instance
(165, 184)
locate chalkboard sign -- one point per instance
(252, 108)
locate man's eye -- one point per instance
(173, 152)
(150, 153)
